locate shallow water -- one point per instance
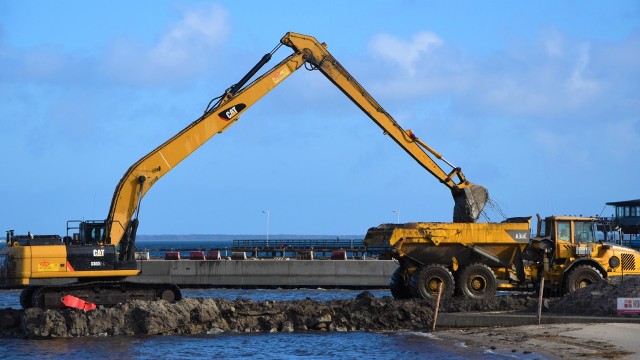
(351, 345)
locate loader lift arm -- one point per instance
(122, 221)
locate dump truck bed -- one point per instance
(442, 243)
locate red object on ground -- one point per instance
(77, 303)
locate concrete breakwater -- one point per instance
(269, 273)
(261, 273)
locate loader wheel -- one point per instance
(477, 282)
(424, 282)
(398, 284)
(581, 276)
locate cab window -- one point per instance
(564, 231)
(584, 232)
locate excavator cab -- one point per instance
(90, 232)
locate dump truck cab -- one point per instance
(574, 257)
(567, 228)
(571, 237)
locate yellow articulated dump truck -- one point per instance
(474, 260)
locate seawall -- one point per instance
(268, 273)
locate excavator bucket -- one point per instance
(469, 204)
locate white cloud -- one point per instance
(551, 79)
(405, 53)
(183, 51)
(579, 85)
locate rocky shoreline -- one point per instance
(364, 313)
(210, 316)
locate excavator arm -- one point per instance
(469, 199)
(122, 220)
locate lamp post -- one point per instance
(268, 216)
(397, 211)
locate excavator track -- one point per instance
(106, 293)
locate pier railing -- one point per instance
(300, 244)
(272, 248)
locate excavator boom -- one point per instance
(154, 165)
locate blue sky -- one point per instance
(536, 101)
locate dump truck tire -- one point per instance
(581, 276)
(477, 282)
(424, 282)
(398, 284)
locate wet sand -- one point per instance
(557, 341)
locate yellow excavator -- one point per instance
(96, 260)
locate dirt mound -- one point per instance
(364, 313)
(207, 316)
(500, 303)
(599, 299)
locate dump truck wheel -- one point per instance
(398, 284)
(581, 276)
(424, 282)
(478, 282)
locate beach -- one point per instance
(554, 341)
